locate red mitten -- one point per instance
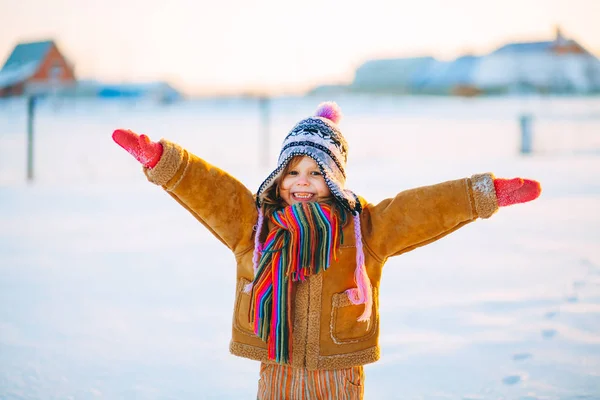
(515, 191)
(140, 146)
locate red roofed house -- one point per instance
(37, 67)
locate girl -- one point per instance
(310, 252)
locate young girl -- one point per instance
(310, 252)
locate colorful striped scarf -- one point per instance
(302, 243)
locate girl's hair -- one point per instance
(273, 202)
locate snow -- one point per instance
(14, 75)
(110, 289)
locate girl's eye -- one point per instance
(293, 173)
(318, 173)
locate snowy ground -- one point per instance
(109, 289)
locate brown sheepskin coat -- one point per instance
(326, 332)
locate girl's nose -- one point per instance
(302, 181)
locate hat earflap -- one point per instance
(257, 248)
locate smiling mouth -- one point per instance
(301, 196)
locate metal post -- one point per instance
(30, 120)
(264, 104)
(526, 134)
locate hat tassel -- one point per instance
(363, 292)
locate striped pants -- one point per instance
(281, 382)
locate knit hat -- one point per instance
(320, 138)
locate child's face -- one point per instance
(303, 182)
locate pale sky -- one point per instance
(277, 45)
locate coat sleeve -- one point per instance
(215, 198)
(423, 215)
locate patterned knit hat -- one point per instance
(320, 138)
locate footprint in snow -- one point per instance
(549, 333)
(578, 284)
(593, 268)
(551, 314)
(572, 299)
(522, 356)
(511, 380)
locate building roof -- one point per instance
(12, 76)
(26, 53)
(23, 62)
(527, 47)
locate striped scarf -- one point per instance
(302, 243)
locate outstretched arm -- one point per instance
(218, 200)
(423, 215)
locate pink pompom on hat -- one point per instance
(320, 138)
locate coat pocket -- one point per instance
(241, 319)
(344, 327)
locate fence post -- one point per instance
(264, 105)
(30, 120)
(525, 121)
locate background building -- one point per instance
(559, 66)
(36, 67)
(40, 68)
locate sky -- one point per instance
(277, 46)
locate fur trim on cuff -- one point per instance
(167, 166)
(484, 193)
